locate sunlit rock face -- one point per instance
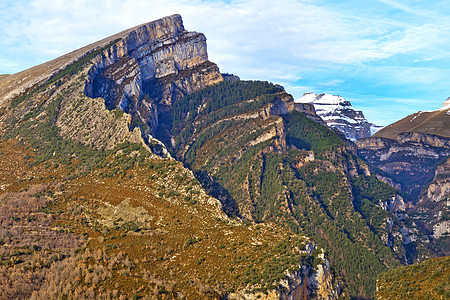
(150, 67)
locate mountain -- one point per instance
(412, 154)
(133, 168)
(339, 114)
(94, 206)
(258, 152)
(428, 122)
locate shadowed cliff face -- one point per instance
(150, 68)
(417, 164)
(410, 160)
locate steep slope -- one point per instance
(267, 160)
(410, 160)
(428, 280)
(136, 226)
(140, 71)
(413, 155)
(428, 122)
(434, 209)
(78, 145)
(93, 206)
(339, 114)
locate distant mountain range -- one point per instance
(339, 114)
(413, 155)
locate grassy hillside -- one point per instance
(134, 227)
(428, 280)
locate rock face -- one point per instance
(410, 160)
(339, 114)
(434, 206)
(416, 162)
(140, 71)
(150, 68)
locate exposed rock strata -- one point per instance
(417, 164)
(411, 159)
(150, 68)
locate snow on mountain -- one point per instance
(446, 104)
(339, 114)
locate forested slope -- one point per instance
(268, 162)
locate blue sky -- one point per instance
(390, 58)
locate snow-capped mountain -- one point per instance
(339, 114)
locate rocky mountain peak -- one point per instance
(339, 114)
(150, 68)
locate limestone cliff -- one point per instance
(417, 164)
(150, 68)
(434, 206)
(410, 160)
(140, 71)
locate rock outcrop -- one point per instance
(417, 164)
(434, 206)
(410, 160)
(140, 71)
(316, 283)
(150, 68)
(339, 114)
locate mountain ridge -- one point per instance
(427, 122)
(412, 154)
(17, 83)
(135, 209)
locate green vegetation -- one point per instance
(217, 102)
(427, 280)
(267, 185)
(304, 133)
(368, 192)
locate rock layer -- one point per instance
(417, 164)
(411, 159)
(150, 68)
